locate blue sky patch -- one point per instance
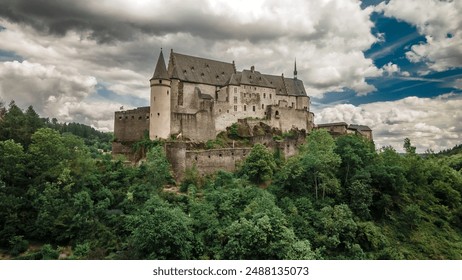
(9, 56)
(103, 93)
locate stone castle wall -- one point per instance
(131, 125)
(183, 156)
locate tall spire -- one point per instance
(295, 69)
(161, 70)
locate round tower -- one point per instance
(159, 125)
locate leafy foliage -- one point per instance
(336, 199)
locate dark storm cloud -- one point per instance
(59, 17)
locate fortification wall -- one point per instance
(198, 127)
(209, 161)
(130, 125)
(285, 118)
(183, 156)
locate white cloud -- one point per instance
(55, 93)
(327, 38)
(441, 24)
(390, 69)
(430, 123)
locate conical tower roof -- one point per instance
(161, 70)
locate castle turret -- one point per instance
(160, 101)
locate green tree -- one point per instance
(13, 183)
(262, 232)
(156, 168)
(357, 153)
(360, 198)
(320, 161)
(12, 164)
(259, 166)
(160, 231)
(337, 232)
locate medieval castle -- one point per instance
(195, 98)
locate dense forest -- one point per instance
(61, 196)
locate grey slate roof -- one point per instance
(199, 70)
(287, 86)
(278, 83)
(359, 127)
(207, 71)
(254, 78)
(161, 70)
(332, 124)
(295, 87)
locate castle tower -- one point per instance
(159, 124)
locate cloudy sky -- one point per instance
(393, 65)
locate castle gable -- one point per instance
(294, 87)
(199, 70)
(278, 83)
(255, 78)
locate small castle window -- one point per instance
(253, 108)
(160, 81)
(245, 107)
(195, 158)
(220, 155)
(168, 92)
(271, 96)
(158, 114)
(202, 74)
(120, 117)
(227, 111)
(263, 106)
(264, 95)
(235, 90)
(140, 117)
(184, 71)
(219, 110)
(192, 67)
(235, 108)
(209, 156)
(235, 99)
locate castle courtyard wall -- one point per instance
(131, 125)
